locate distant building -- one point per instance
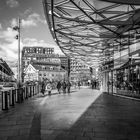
(31, 74)
(37, 73)
(6, 74)
(30, 54)
(65, 63)
(78, 71)
(44, 60)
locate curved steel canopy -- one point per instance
(92, 30)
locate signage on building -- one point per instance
(40, 55)
(49, 60)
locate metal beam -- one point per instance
(93, 19)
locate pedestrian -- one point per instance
(68, 86)
(79, 84)
(58, 86)
(49, 88)
(43, 87)
(64, 86)
(92, 84)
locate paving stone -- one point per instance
(83, 115)
(82, 138)
(3, 138)
(24, 131)
(48, 137)
(23, 137)
(46, 132)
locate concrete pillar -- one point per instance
(104, 87)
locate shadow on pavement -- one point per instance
(108, 118)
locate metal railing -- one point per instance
(11, 97)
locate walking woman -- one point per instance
(49, 88)
(58, 86)
(43, 87)
(64, 86)
(68, 86)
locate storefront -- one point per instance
(123, 76)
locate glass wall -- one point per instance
(126, 74)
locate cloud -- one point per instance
(12, 3)
(13, 22)
(8, 35)
(32, 20)
(9, 45)
(0, 26)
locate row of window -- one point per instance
(52, 75)
(39, 50)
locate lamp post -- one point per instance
(17, 28)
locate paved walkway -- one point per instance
(84, 114)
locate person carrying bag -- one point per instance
(49, 88)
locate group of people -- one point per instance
(64, 86)
(47, 86)
(94, 84)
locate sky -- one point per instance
(34, 28)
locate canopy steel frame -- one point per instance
(92, 24)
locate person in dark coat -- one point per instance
(79, 84)
(64, 86)
(58, 86)
(68, 86)
(92, 84)
(43, 87)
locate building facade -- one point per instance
(78, 71)
(37, 73)
(121, 75)
(65, 63)
(6, 74)
(46, 62)
(31, 74)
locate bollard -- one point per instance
(26, 92)
(38, 88)
(21, 94)
(33, 91)
(5, 103)
(18, 96)
(10, 97)
(16, 92)
(30, 92)
(13, 97)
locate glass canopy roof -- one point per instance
(92, 30)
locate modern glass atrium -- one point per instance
(103, 34)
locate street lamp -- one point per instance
(17, 28)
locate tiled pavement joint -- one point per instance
(84, 115)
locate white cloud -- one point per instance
(12, 3)
(13, 22)
(32, 20)
(0, 26)
(8, 34)
(9, 45)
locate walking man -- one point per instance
(58, 86)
